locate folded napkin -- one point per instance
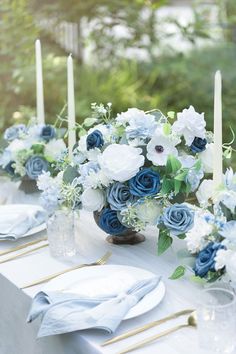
(17, 220)
(64, 312)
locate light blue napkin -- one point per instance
(17, 220)
(67, 312)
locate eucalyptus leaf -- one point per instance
(88, 122)
(164, 241)
(171, 114)
(178, 273)
(70, 174)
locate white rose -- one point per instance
(205, 192)
(17, 145)
(92, 199)
(149, 211)
(121, 162)
(54, 148)
(206, 158)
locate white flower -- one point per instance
(54, 148)
(229, 231)
(206, 158)
(121, 162)
(148, 211)
(190, 124)
(35, 131)
(17, 145)
(5, 158)
(228, 198)
(221, 258)
(230, 179)
(125, 117)
(92, 199)
(231, 265)
(91, 155)
(160, 147)
(44, 181)
(187, 161)
(205, 193)
(195, 238)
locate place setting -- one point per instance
(117, 219)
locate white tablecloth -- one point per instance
(17, 337)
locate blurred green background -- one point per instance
(143, 53)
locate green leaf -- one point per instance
(164, 241)
(173, 164)
(198, 165)
(167, 128)
(171, 114)
(197, 279)
(167, 185)
(178, 273)
(38, 148)
(182, 236)
(70, 174)
(88, 122)
(182, 175)
(82, 132)
(177, 186)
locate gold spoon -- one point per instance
(192, 322)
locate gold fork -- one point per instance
(20, 247)
(147, 326)
(23, 253)
(100, 261)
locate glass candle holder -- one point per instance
(61, 230)
(216, 318)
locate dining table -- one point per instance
(19, 337)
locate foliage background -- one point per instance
(169, 79)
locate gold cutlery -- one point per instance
(20, 247)
(147, 326)
(23, 253)
(192, 322)
(100, 261)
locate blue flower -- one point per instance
(145, 183)
(14, 132)
(35, 165)
(178, 218)
(119, 196)
(9, 169)
(198, 145)
(194, 178)
(205, 260)
(94, 140)
(48, 132)
(109, 222)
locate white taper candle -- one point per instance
(39, 84)
(71, 105)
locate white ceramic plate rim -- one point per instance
(148, 302)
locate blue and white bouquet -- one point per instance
(130, 167)
(30, 150)
(211, 238)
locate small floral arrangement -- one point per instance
(210, 235)
(133, 166)
(31, 150)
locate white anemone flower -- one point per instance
(160, 147)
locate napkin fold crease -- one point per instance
(67, 312)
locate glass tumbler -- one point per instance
(61, 231)
(216, 318)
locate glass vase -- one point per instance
(61, 230)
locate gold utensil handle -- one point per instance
(20, 247)
(23, 253)
(52, 276)
(147, 326)
(151, 339)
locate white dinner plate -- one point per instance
(100, 280)
(35, 230)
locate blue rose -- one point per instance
(145, 183)
(198, 145)
(119, 196)
(205, 260)
(178, 218)
(48, 132)
(14, 132)
(109, 222)
(10, 169)
(94, 140)
(35, 165)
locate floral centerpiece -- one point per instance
(30, 150)
(133, 165)
(210, 232)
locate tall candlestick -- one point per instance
(71, 105)
(217, 158)
(39, 83)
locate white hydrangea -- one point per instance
(190, 124)
(207, 157)
(54, 148)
